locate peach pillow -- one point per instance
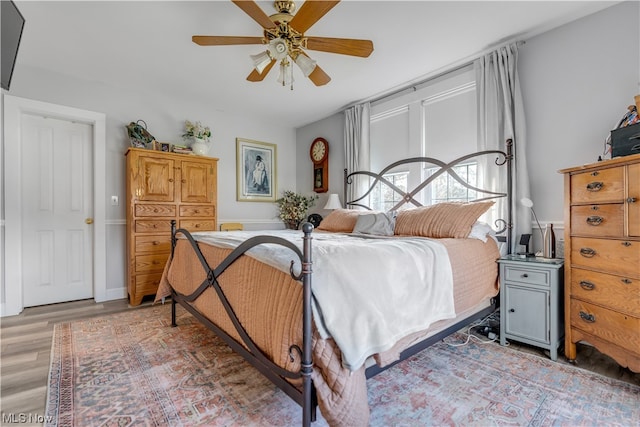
(341, 220)
(447, 219)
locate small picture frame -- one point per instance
(256, 171)
(163, 146)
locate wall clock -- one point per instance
(319, 153)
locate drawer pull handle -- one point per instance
(155, 225)
(525, 275)
(155, 261)
(595, 186)
(197, 225)
(156, 243)
(170, 179)
(627, 244)
(512, 310)
(587, 286)
(587, 317)
(587, 252)
(595, 173)
(184, 181)
(594, 220)
(595, 208)
(155, 210)
(196, 211)
(626, 281)
(631, 199)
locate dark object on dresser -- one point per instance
(625, 141)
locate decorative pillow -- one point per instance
(380, 223)
(341, 220)
(447, 219)
(480, 231)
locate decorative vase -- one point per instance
(549, 245)
(200, 147)
(292, 224)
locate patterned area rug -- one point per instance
(133, 368)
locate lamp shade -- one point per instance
(333, 202)
(306, 64)
(261, 60)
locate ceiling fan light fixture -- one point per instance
(286, 73)
(306, 64)
(278, 48)
(261, 60)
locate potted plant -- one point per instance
(293, 208)
(199, 135)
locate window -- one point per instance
(446, 188)
(384, 197)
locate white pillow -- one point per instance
(480, 230)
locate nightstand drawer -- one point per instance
(526, 275)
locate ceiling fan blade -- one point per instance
(255, 76)
(253, 10)
(353, 47)
(310, 12)
(225, 40)
(319, 77)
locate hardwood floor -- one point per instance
(26, 346)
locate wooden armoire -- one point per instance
(162, 187)
(602, 258)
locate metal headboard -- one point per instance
(503, 159)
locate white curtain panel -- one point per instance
(357, 148)
(501, 117)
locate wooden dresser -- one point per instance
(602, 258)
(162, 187)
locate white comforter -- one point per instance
(368, 292)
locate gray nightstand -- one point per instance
(531, 301)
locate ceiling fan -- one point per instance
(286, 41)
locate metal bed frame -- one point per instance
(306, 396)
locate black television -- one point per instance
(12, 24)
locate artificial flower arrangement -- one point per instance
(196, 130)
(293, 208)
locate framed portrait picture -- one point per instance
(256, 171)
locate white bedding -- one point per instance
(368, 292)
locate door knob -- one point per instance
(88, 221)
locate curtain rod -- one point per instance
(451, 68)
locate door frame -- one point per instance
(14, 108)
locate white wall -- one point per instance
(331, 129)
(577, 82)
(165, 120)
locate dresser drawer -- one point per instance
(197, 210)
(152, 226)
(606, 220)
(615, 256)
(616, 292)
(531, 276)
(198, 224)
(155, 210)
(147, 284)
(617, 328)
(605, 185)
(153, 244)
(151, 263)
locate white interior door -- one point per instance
(57, 200)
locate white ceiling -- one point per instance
(147, 45)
